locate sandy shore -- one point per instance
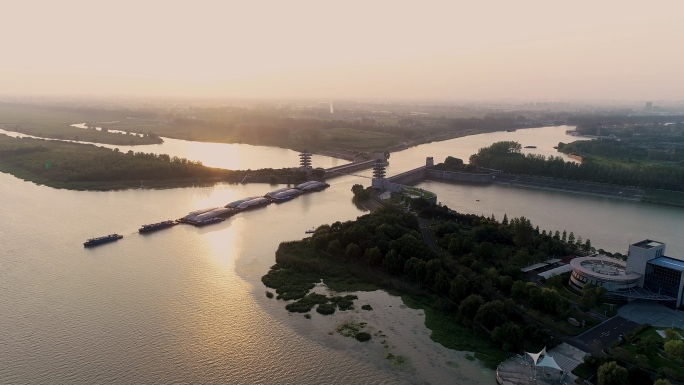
(400, 343)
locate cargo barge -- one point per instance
(101, 240)
(157, 226)
(209, 221)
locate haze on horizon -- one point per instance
(625, 50)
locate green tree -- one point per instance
(491, 314)
(555, 281)
(675, 348)
(353, 252)
(485, 250)
(518, 290)
(455, 246)
(671, 335)
(469, 306)
(335, 247)
(357, 188)
(647, 346)
(373, 256)
(662, 381)
(505, 283)
(509, 336)
(612, 374)
(458, 288)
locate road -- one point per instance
(608, 331)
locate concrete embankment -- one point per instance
(464, 177)
(631, 193)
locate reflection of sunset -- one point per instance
(218, 155)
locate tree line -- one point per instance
(58, 161)
(506, 156)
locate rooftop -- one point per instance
(603, 267)
(668, 262)
(648, 244)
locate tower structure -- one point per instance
(379, 169)
(305, 160)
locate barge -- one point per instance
(101, 240)
(157, 226)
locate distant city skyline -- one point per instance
(524, 50)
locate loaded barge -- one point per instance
(218, 214)
(156, 226)
(101, 240)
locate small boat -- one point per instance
(310, 231)
(101, 240)
(530, 146)
(477, 200)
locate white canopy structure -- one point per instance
(535, 356)
(543, 360)
(549, 362)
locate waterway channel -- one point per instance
(186, 305)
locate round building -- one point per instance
(604, 272)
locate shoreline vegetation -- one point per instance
(652, 182)
(469, 283)
(46, 122)
(77, 166)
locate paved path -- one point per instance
(427, 235)
(652, 313)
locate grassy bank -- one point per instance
(56, 124)
(664, 197)
(299, 267)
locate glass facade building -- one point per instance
(663, 276)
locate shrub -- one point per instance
(367, 307)
(325, 309)
(269, 294)
(363, 336)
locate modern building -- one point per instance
(647, 273)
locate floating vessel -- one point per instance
(237, 203)
(101, 240)
(530, 146)
(286, 195)
(310, 231)
(254, 203)
(209, 221)
(271, 194)
(191, 216)
(157, 226)
(312, 186)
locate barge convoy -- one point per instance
(213, 215)
(217, 214)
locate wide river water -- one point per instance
(186, 305)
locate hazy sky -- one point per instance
(420, 49)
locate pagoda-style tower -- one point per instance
(379, 169)
(305, 160)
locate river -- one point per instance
(186, 305)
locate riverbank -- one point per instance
(299, 268)
(400, 342)
(599, 189)
(664, 197)
(88, 167)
